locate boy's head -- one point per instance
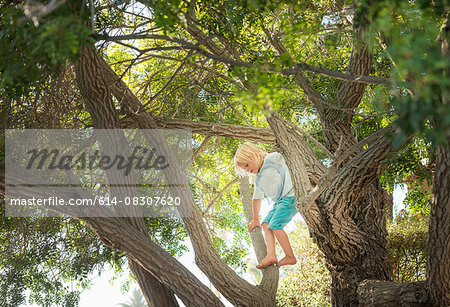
(248, 159)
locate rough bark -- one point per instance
(354, 241)
(375, 293)
(438, 246)
(254, 134)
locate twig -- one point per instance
(212, 203)
(168, 82)
(267, 68)
(198, 151)
(92, 7)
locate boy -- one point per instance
(272, 180)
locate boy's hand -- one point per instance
(253, 224)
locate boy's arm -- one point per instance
(256, 208)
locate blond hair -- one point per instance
(248, 152)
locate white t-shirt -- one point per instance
(273, 179)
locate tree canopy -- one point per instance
(352, 93)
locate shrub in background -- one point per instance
(407, 241)
(308, 282)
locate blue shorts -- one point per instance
(281, 214)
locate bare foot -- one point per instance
(288, 260)
(266, 262)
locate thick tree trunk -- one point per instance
(347, 219)
(352, 233)
(353, 239)
(438, 247)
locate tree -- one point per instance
(438, 251)
(257, 53)
(424, 106)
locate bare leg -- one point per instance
(271, 257)
(289, 258)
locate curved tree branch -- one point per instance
(248, 133)
(269, 282)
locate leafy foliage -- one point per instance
(49, 257)
(169, 233)
(407, 242)
(30, 52)
(306, 283)
(412, 166)
(410, 29)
